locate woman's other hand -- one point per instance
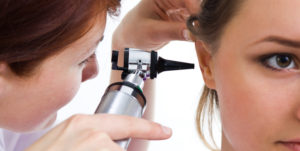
(97, 132)
(153, 23)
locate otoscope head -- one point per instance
(169, 65)
(147, 62)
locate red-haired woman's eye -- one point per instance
(92, 57)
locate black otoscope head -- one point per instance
(148, 60)
(169, 65)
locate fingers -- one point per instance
(181, 7)
(178, 12)
(154, 23)
(178, 15)
(98, 141)
(120, 127)
(98, 132)
(193, 5)
(164, 31)
(170, 4)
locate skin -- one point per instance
(53, 85)
(148, 26)
(259, 106)
(155, 23)
(58, 78)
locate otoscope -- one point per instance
(126, 97)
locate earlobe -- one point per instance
(205, 63)
(5, 72)
(3, 68)
(3, 75)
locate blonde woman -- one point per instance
(249, 53)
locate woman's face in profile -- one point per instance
(31, 103)
(257, 77)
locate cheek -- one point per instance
(60, 91)
(254, 108)
(50, 96)
(63, 91)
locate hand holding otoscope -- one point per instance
(127, 98)
(96, 132)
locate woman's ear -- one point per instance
(205, 63)
(3, 77)
(6, 74)
(4, 69)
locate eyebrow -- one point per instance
(281, 41)
(101, 39)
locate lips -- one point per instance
(292, 145)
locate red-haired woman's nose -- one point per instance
(90, 71)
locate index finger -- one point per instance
(121, 127)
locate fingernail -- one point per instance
(186, 35)
(166, 130)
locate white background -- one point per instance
(177, 93)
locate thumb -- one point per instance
(165, 31)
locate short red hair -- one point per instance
(32, 30)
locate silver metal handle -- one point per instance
(122, 99)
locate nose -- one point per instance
(91, 70)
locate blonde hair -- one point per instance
(205, 111)
(208, 26)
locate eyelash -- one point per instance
(88, 59)
(266, 58)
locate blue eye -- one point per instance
(279, 62)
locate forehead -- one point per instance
(80, 48)
(258, 18)
(90, 38)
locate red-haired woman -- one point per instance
(47, 50)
